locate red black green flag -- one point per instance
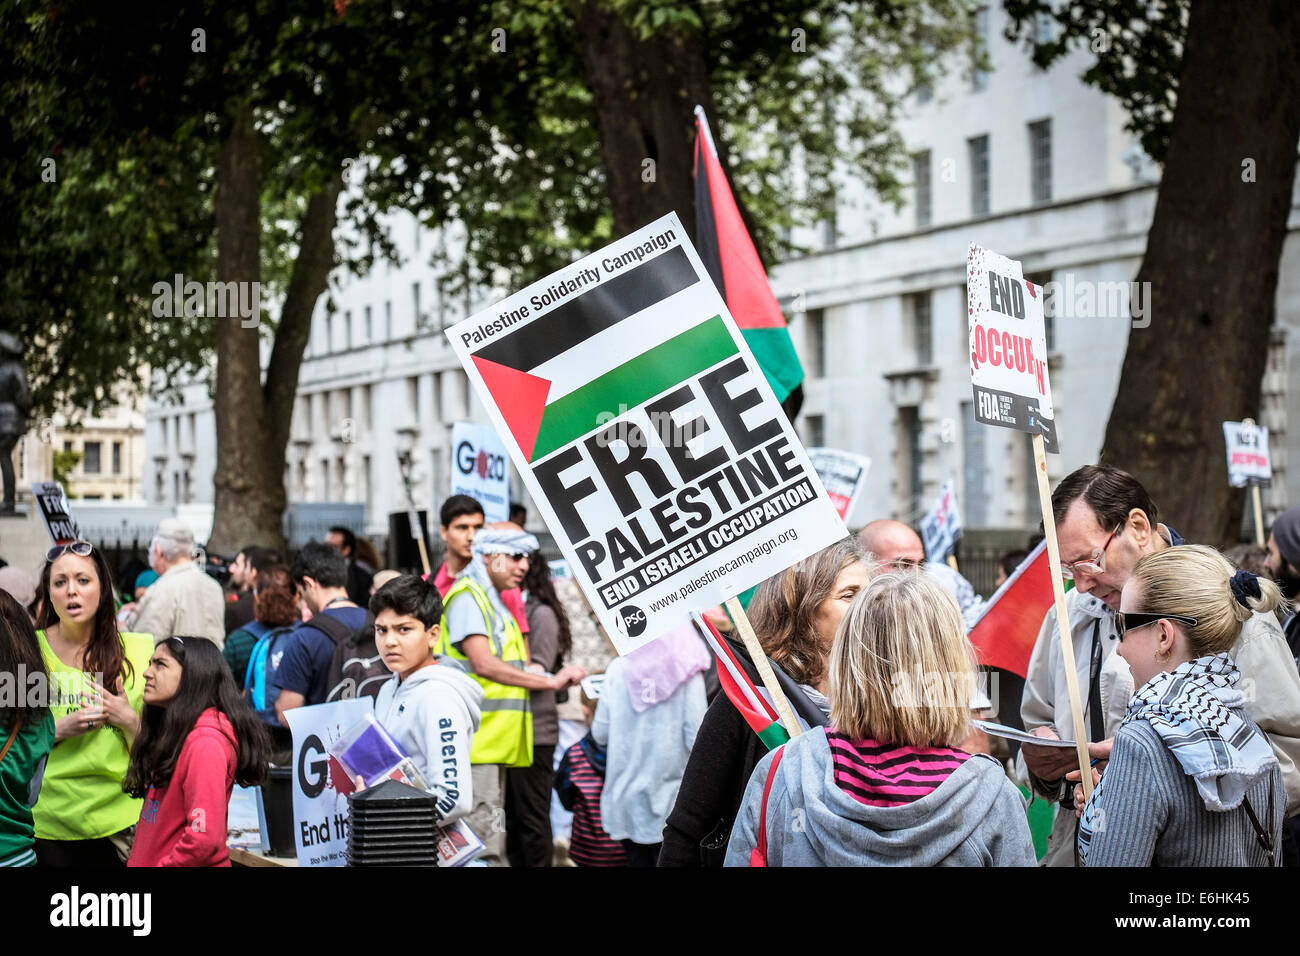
(733, 264)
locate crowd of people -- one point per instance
(164, 698)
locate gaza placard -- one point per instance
(646, 433)
(1008, 347)
(479, 469)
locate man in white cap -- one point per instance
(184, 601)
(478, 631)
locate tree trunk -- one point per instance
(1212, 263)
(644, 93)
(253, 420)
(246, 483)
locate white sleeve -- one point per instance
(447, 735)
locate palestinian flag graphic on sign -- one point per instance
(554, 378)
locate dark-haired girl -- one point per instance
(198, 738)
(26, 735)
(83, 818)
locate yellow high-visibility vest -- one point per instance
(505, 732)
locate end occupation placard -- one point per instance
(646, 433)
(1008, 347)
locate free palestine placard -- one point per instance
(646, 433)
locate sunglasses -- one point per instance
(1129, 622)
(80, 548)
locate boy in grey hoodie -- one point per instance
(431, 708)
(884, 784)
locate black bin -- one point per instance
(277, 799)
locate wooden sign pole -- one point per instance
(1259, 515)
(759, 658)
(1062, 616)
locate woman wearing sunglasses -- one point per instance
(97, 679)
(197, 739)
(1192, 781)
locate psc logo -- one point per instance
(482, 464)
(632, 620)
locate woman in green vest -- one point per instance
(26, 733)
(83, 817)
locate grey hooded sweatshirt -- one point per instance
(433, 715)
(976, 817)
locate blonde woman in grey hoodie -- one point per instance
(884, 784)
(429, 705)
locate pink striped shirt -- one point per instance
(889, 775)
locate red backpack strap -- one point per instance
(758, 855)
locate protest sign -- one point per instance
(320, 784)
(1008, 368)
(843, 475)
(941, 525)
(1249, 463)
(646, 433)
(480, 469)
(1008, 347)
(55, 512)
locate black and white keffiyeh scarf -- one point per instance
(1191, 709)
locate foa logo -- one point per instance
(632, 620)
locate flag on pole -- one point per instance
(733, 264)
(1006, 632)
(740, 690)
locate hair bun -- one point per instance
(1244, 587)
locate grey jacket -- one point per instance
(1149, 811)
(976, 817)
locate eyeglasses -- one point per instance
(80, 548)
(1095, 563)
(1129, 622)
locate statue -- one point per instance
(15, 405)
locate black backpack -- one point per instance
(356, 669)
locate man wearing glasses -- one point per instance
(1105, 522)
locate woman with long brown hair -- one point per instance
(795, 614)
(83, 818)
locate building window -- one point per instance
(814, 431)
(67, 445)
(370, 329)
(1044, 29)
(975, 500)
(90, 464)
(815, 342)
(919, 308)
(329, 334)
(979, 79)
(978, 150)
(415, 299)
(1040, 161)
(1041, 279)
(117, 457)
(921, 183)
(388, 321)
(909, 420)
(347, 330)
